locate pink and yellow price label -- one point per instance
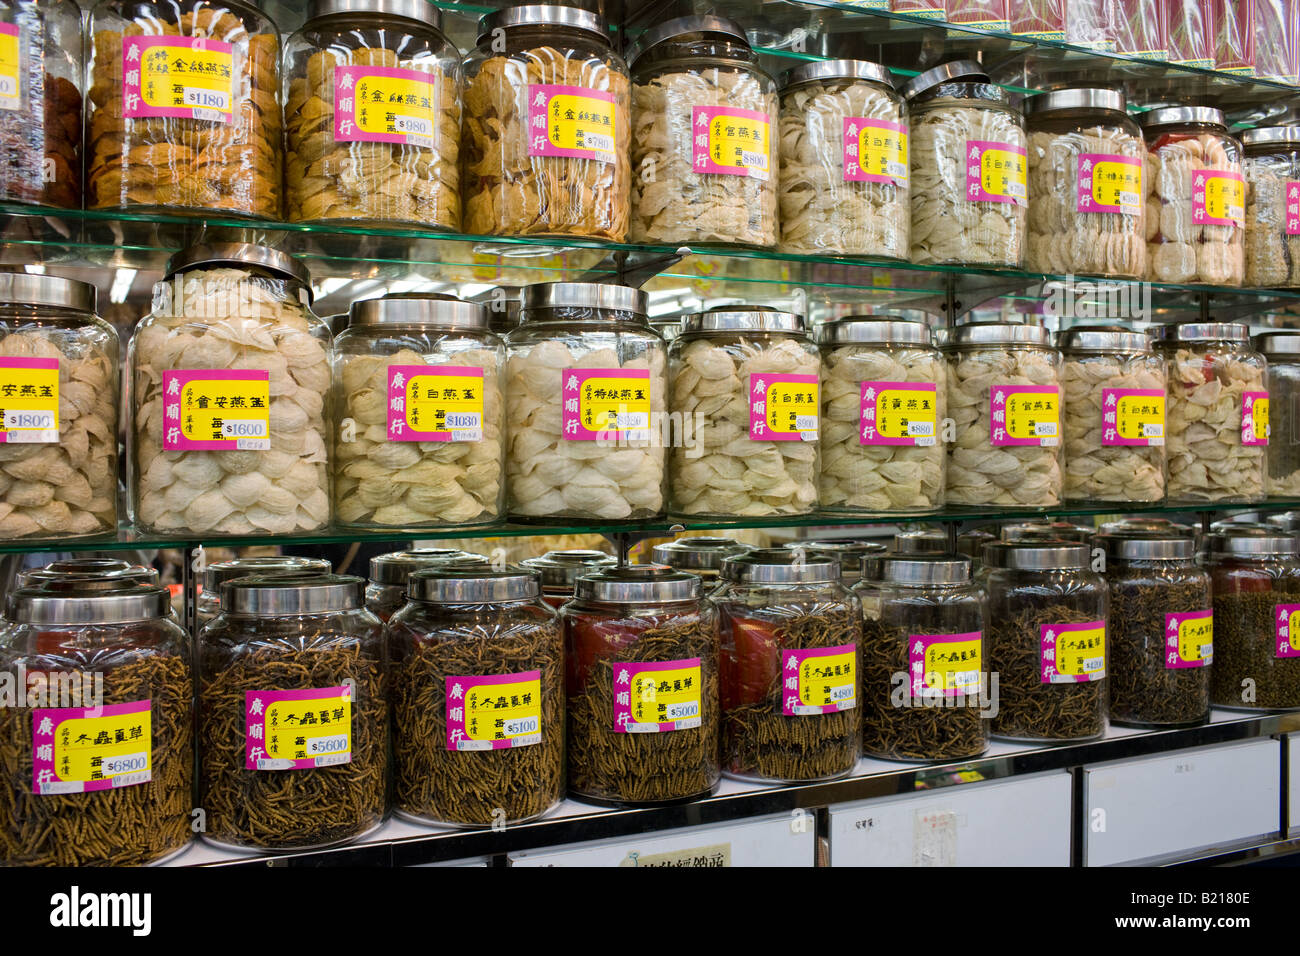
(83, 749)
(571, 121)
(29, 400)
(652, 698)
(1189, 639)
(297, 729)
(384, 104)
(1218, 198)
(1132, 416)
(1072, 653)
(605, 404)
(996, 172)
(731, 142)
(875, 151)
(183, 77)
(820, 680)
(784, 407)
(435, 403)
(945, 664)
(10, 68)
(217, 410)
(899, 413)
(1025, 415)
(1287, 617)
(1110, 183)
(494, 711)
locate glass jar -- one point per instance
(397, 162)
(231, 323)
(1114, 384)
(1281, 350)
(1215, 437)
(1271, 163)
(1047, 640)
(844, 174)
(559, 571)
(40, 103)
(208, 605)
(791, 656)
(1255, 581)
(1160, 630)
(570, 176)
(745, 383)
(1087, 210)
(923, 676)
(59, 365)
(1196, 198)
(704, 136)
(586, 391)
(178, 133)
(641, 656)
(123, 669)
(957, 114)
(292, 651)
(1004, 396)
(390, 574)
(849, 553)
(420, 444)
(883, 403)
(702, 556)
(478, 699)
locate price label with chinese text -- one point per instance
(1218, 198)
(1292, 211)
(184, 77)
(571, 121)
(731, 142)
(384, 104)
(996, 172)
(1110, 183)
(783, 407)
(875, 151)
(946, 664)
(1025, 415)
(10, 68)
(83, 749)
(1132, 416)
(899, 413)
(819, 680)
(1072, 653)
(1254, 418)
(605, 403)
(1189, 639)
(29, 400)
(219, 409)
(297, 729)
(651, 698)
(435, 403)
(1287, 617)
(494, 711)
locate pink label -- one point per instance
(85, 749)
(996, 172)
(783, 407)
(1255, 426)
(946, 665)
(1189, 639)
(606, 404)
(1288, 630)
(184, 77)
(29, 400)
(1110, 183)
(571, 121)
(899, 413)
(1132, 416)
(1218, 198)
(1025, 415)
(820, 680)
(658, 697)
(1072, 653)
(731, 142)
(494, 712)
(297, 729)
(217, 410)
(435, 403)
(384, 104)
(1293, 207)
(875, 151)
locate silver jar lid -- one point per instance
(560, 569)
(967, 71)
(638, 584)
(823, 70)
(1271, 135)
(76, 568)
(997, 333)
(873, 330)
(1037, 555)
(422, 11)
(1144, 523)
(280, 595)
(696, 554)
(849, 552)
(780, 566)
(396, 567)
(971, 542)
(920, 541)
(1278, 343)
(1203, 332)
(219, 572)
(1178, 115)
(1057, 530)
(1250, 541)
(39, 606)
(541, 15)
(120, 579)
(742, 318)
(239, 255)
(1079, 99)
(1103, 338)
(1288, 521)
(441, 586)
(684, 26)
(918, 570)
(584, 295)
(413, 308)
(54, 292)
(1147, 546)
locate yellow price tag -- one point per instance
(81, 749)
(29, 400)
(10, 67)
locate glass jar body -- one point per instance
(1283, 457)
(1272, 241)
(1256, 667)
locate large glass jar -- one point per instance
(1047, 640)
(791, 659)
(123, 673)
(547, 127)
(1196, 198)
(702, 556)
(231, 328)
(850, 553)
(372, 115)
(704, 136)
(641, 658)
(1255, 581)
(1087, 210)
(1281, 350)
(1216, 435)
(745, 383)
(586, 390)
(59, 385)
(386, 591)
(478, 699)
(287, 653)
(1114, 384)
(193, 133)
(844, 168)
(1004, 396)
(208, 605)
(559, 571)
(1271, 165)
(884, 401)
(969, 169)
(1160, 633)
(924, 679)
(420, 416)
(40, 102)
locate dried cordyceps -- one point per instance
(1247, 671)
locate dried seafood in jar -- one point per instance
(1281, 350)
(1272, 169)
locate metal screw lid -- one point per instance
(874, 330)
(1271, 135)
(281, 595)
(742, 318)
(1250, 540)
(1146, 546)
(1052, 530)
(1076, 99)
(238, 255)
(823, 70)
(560, 569)
(696, 554)
(78, 568)
(1103, 338)
(216, 574)
(39, 606)
(442, 586)
(1178, 115)
(124, 579)
(411, 308)
(1285, 342)
(1144, 523)
(396, 567)
(1037, 555)
(1202, 332)
(917, 570)
(971, 543)
(542, 15)
(56, 292)
(422, 11)
(848, 551)
(685, 26)
(780, 566)
(968, 71)
(920, 541)
(638, 584)
(584, 295)
(1288, 521)
(996, 333)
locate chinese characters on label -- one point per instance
(656, 698)
(899, 413)
(29, 400)
(819, 680)
(1025, 415)
(1072, 653)
(494, 712)
(945, 664)
(10, 84)
(1218, 198)
(435, 403)
(1132, 416)
(83, 749)
(996, 172)
(875, 151)
(217, 410)
(570, 121)
(296, 729)
(783, 407)
(1293, 207)
(184, 77)
(1189, 639)
(1110, 183)
(1288, 630)
(605, 403)
(384, 104)
(1254, 418)
(730, 141)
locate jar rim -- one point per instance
(875, 330)
(684, 26)
(822, 70)
(1176, 115)
(35, 605)
(1104, 338)
(997, 333)
(742, 318)
(283, 595)
(30, 289)
(584, 295)
(239, 255)
(1045, 554)
(418, 308)
(396, 567)
(420, 11)
(780, 566)
(1057, 101)
(1202, 332)
(447, 586)
(542, 15)
(965, 70)
(638, 584)
(562, 568)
